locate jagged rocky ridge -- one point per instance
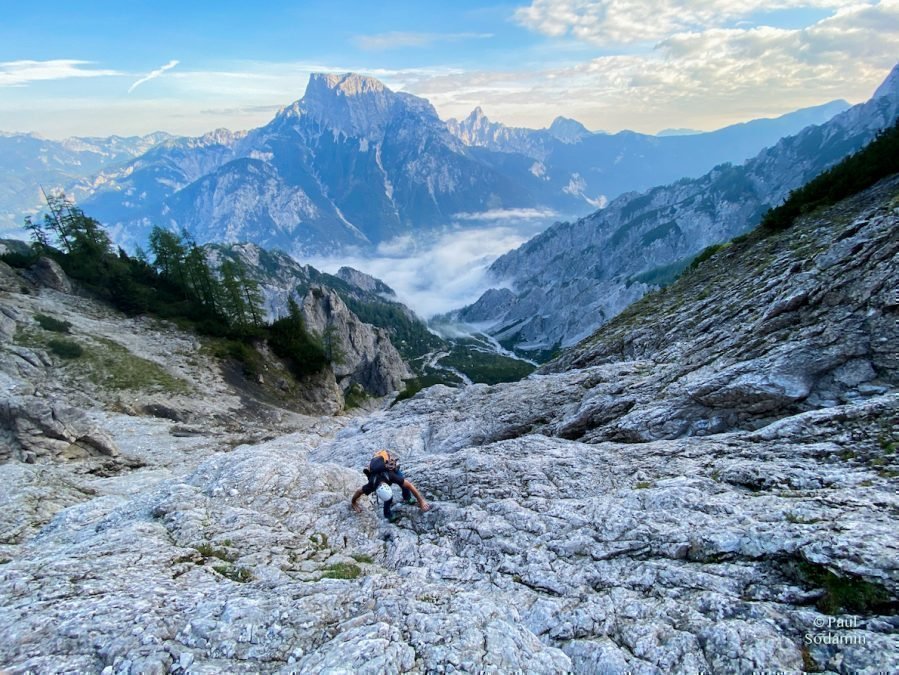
(352, 163)
(561, 285)
(555, 546)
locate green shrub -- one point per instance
(65, 349)
(342, 571)
(877, 160)
(51, 324)
(239, 574)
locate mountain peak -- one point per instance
(890, 86)
(348, 103)
(568, 130)
(346, 84)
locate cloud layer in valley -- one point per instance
(436, 273)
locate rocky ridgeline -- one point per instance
(709, 484)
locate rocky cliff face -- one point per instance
(365, 355)
(708, 484)
(576, 276)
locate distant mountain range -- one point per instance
(561, 285)
(353, 164)
(29, 162)
(597, 166)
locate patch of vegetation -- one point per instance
(65, 349)
(240, 351)
(291, 341)
(111, 365)
(210, 551)
(342, 570)
(18, 254)
(662, 275)
(319, 541)
(52, 324)
(642, 485)
(484, 366)
(239, 574)
(415, 385)
(845, 594)
(808, 663)
(355, 397)
(707, 253)
(877, 160)
(362, 558)
(174, 282)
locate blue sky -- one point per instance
(185, 67)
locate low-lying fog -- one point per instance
(436, 272)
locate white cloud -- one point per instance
(436, 273)
(505, 214)
(621, 22)
(703, 79)
(18, 73)
(153, 75)
(398, 40)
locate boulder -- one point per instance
(48, 273)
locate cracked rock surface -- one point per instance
(707, 486)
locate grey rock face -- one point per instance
(778, 328)
(48, 273)
(364, 281)
(47, 431)
(366, 355)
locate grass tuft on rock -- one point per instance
(342, 570)
(239, 574)
(210, 551)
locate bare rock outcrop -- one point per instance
(365, 354)
(51, 431)
(49, 274)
